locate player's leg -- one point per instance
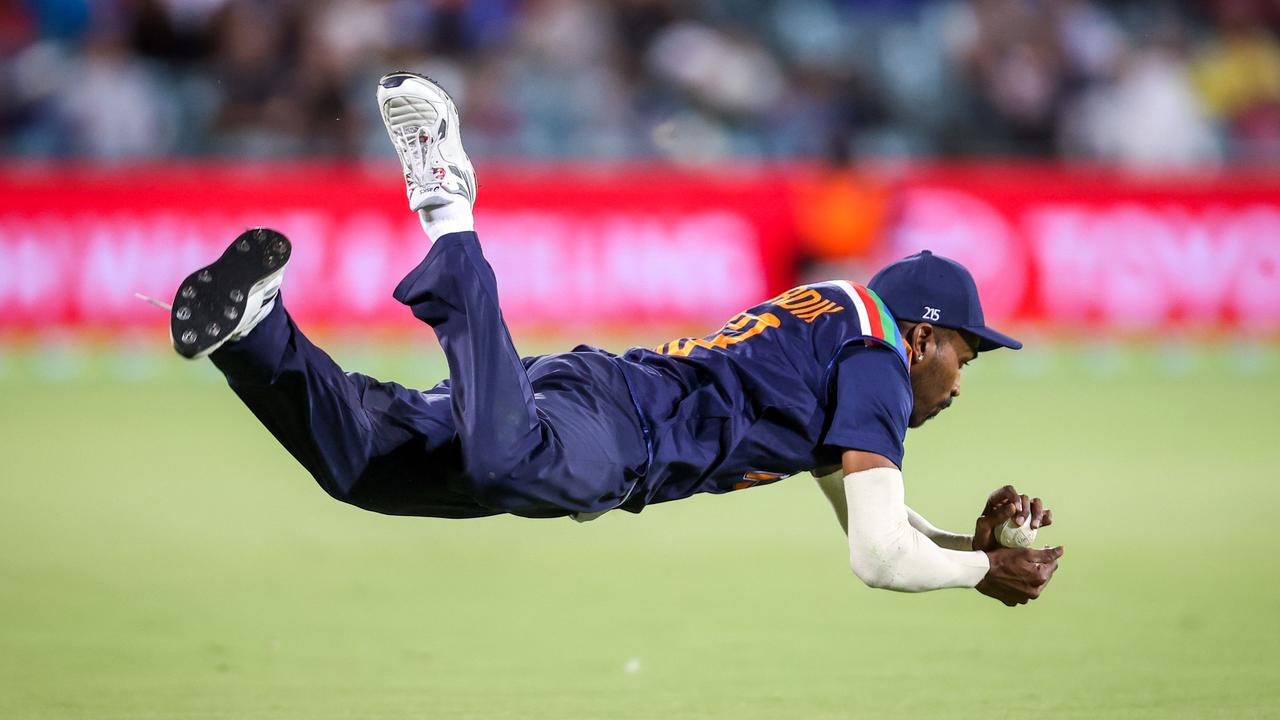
(519, 456)
(369, 443)
(512, 455)
(453, 289)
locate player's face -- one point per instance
(935, 379)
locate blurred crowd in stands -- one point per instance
(1146, 83)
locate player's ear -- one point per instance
(909, 337)
(922, 340)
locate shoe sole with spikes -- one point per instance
(216, 303)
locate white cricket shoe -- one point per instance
(223, 301)
(423, 124)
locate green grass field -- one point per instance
(161, 557)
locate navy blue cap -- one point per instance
(930, 288)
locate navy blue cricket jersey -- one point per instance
(783, 388)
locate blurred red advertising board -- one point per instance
(1090, 248)
(569, 247)
(643, 245)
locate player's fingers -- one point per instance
(1002, 513)
(1037, 513)
(1024, 508)
(1005, 494)
(1047, 519)
(1047, 555)
(1038, 556)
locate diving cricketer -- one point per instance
(824, 378)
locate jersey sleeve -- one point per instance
(870, 402)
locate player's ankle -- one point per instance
(262, 314)
(445, 219)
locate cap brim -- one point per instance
(989, 339)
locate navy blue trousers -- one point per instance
(538, 437)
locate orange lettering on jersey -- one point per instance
(802, 309)
(813, 313)
(745, 325)
(738, 322)
(682, 347)
(742, 327)
(798, 298)
(806, 303)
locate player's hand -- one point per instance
(1002, 505)
(1018, 575)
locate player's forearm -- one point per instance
(885, 551)
(941, 538)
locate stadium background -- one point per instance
(1110, 171)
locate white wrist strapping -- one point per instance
(885, 551)
(832, 485)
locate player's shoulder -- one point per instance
(818, 304)
(810, 303)
(831, 297)
(871, 358)
(859, 314)
(870, 372)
